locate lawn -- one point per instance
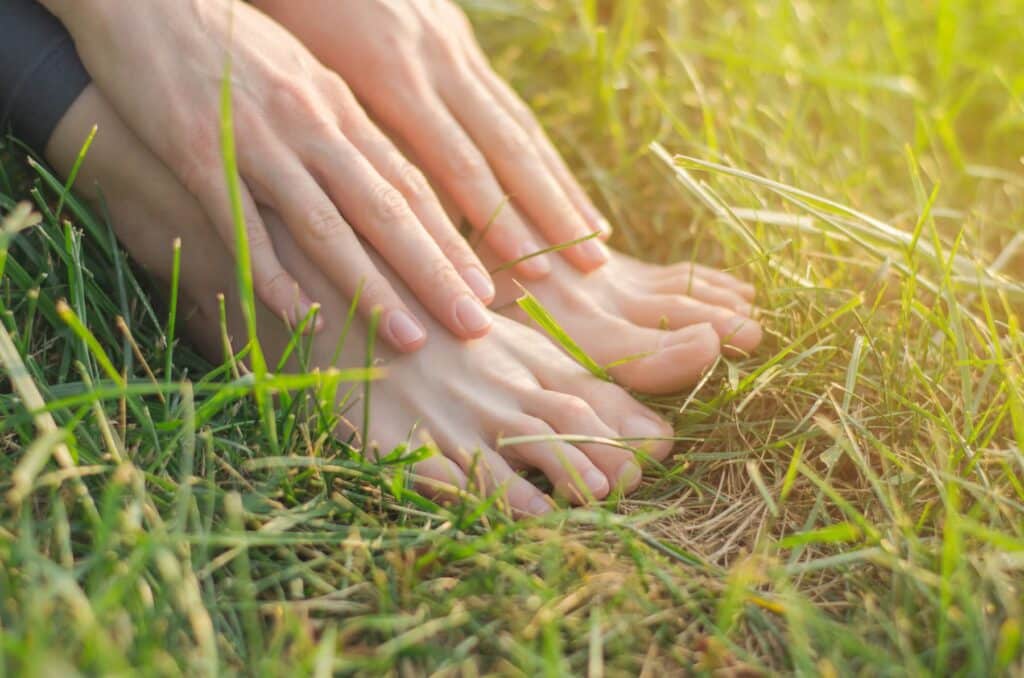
(850, 500)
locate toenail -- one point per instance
(404, 328)
(480, 283)
(596, 481)
(471, 314)
(628, 476)
(539, 505)
(643, 428)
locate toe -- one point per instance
(736, 331)
(489, 473)
(439, 479)
(680, 361)
(570, 415)
(681, 274)
(634, 423)
(532, 442)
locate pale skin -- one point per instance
(419, 70)
(306, 150)
(465, 396)
(672, 323)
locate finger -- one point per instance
(272, 284)
(518, 109)
(511, 152)
(419, 195)
(327, 239)
(572, 473)
(381, 215)
(454, 162)
(569, 414)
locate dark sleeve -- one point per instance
(40, 72)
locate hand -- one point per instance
(305, 149)
(417, 67)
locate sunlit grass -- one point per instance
(851, 499)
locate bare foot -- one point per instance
(668, 323)
(466, 396)
(658, 329)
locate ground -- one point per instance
(849, 500)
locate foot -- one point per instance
(659, 327)
(492, 407)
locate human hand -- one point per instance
(418, 68)
(305, 149)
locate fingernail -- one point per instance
(404, 329)
(536, 266)
(596, 482)
(597, 220)
(480, 283)
(471, 314)
(303, 307)
(593, 251)
(628, 476)
(746, 309)
(539, 505)
(688, 335)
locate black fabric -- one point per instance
(40, 72)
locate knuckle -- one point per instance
(324, 222)
(275, 287)
(291, 101)
(374, 292)
(411, 181)
(387, 204)
(256, 235)
(441, 273)
(512, 140)
(464, 161)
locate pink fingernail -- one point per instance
(598, 221)
(471, 314)
(480, 283)
(404, 329)
(593, 251)
(536, 266)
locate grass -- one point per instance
(848, 501)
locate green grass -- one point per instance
(850, 500)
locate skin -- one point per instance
(466, 396)
(305, 149)
(420, 56)
(417, 66)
